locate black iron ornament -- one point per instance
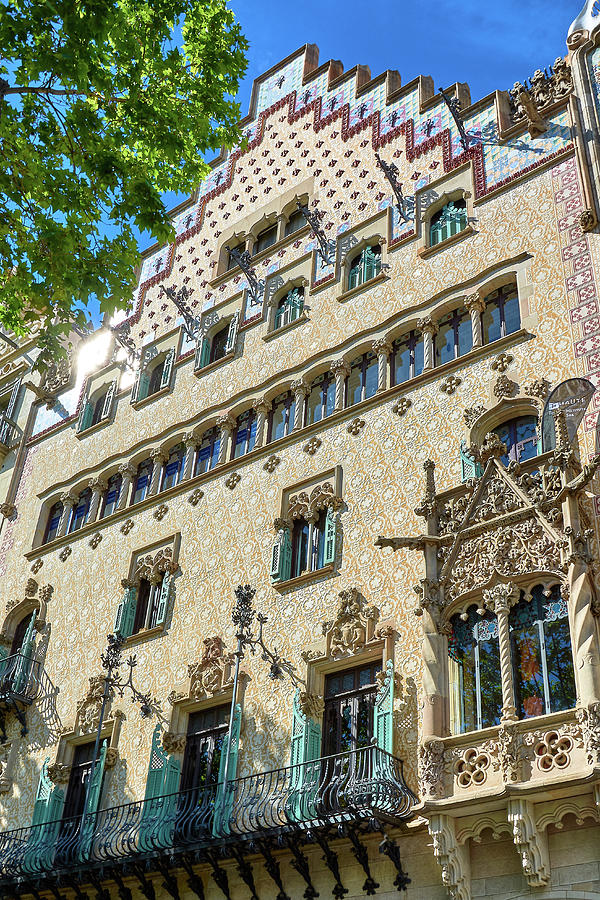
(390, 170)
(122, 335)
(179, 298)
(314, 218)
(453, 104)
(244, 261)
(244, 616)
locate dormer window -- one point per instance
(364, 266)
(451, 219)
(265, 239)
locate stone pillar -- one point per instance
(97, 486)
(476, 305)
(261, 408)
(68, 501)
(340, 369)
(499, 600)
(382, 348)
(127, 473)
(429, 329)
(281, 223)
(190, 442)
(158, 457)
(300, 390)
(225, 424)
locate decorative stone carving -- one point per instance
(312, 446)
(213, 674)
(492, 447)
(431, 769)
(172, 742)
(160, 512)
(587, 220)
(589, 720)
(355, 426)
(553, 751)
(95, 540)
(402, 406)
(195, 497)
(501, 598)
(153, 567)
(307, 506)
(538, 388)
(451, 856)
(472, 768)
(502, 362)
(59, 773)
(312, 705)
(531, 843)
(65, 553)
(271, 464)
(472, 414)
(504, 387)
(505, 752)
(232, 480)
(45, 593)
(450, 384)
(127, 526)
(58, 374)
(353, 626)
(7, 510)
(37, 565)
(112, 755)
(88, 709)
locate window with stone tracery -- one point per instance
(521, 438)
(474, 671)
(147, 594)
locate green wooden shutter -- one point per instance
(330, 539)
(354, 276)
(165, 380)
(38, 855)
(225, 789)
(384, 711)
(88, 824)
(281, 558)
(109, 399)
(469, 467)
(144, 386)
(160, 799)
(295, 301)
(163, 599)
(135, 389)
(202, 356)
(126, 612)
(304, 778)
(232, 333)
(372, 263)
(85, 417)
(25, 659)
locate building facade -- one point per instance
(330, 390)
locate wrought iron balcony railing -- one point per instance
(20, 678)
(8, 431)
(364, 788)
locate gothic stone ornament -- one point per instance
(172, 742)
(307, 506)
(312, 705)
(59, 773)
(402, 406)
(472, 767)
(88, 709)
(587, 220)
(213, 674)
(553, 751)
(153, 567)
(272, 463)
(355, 426)
(589, 721)
(312, 446)
(353, 626)
(37, 565)
(502, 362)
(111, 758)
(472, 414)
(450, 385)
(65, 553)
(160, 512)
(195, 497)
(232, 480)
(431, 769)
(95, 540)
(504, 387)
(539, 388)
(127, 526)
(492, 447)
(531, 842)
(505, 752)
(452, 857)
(7, 510)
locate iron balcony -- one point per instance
(345, 794)
(21, 678)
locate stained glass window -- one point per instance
(474, 670)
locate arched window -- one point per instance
(207, 454)
(111, 495)
(474, 672)
(295, 222)
(447, 221)
(455, 336)
(173, 469)
(142, 481)
(289, 307)
(407, 358)
(501, 315)
(97, 408)
(218, 344)
(309, 544)
(156, 377)
(245, 434)
(265, 238)
(19, 635)
(231, 260)
(54, 517)
(281, 417)
(541, 654)
(80, 511)
(365, 265)
(363, 379)
(521, 438)
(320, 403)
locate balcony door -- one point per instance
(206, 734)
(78, 781)
(348, 719)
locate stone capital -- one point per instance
(501, 598)
(226, 422)
(261, 406)
(475, 302)
(68, 498)
(190, 439)
(159, 455)
(300, 386)
(427, 326)
(382, 346)
(339, 367)
(97, 484)
(492, 447)
(126, 470)
(7, 510)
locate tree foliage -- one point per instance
(104, 106)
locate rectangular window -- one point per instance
(349, 709)
(206, 734)
(111, 498)
(142, 482)
(146, 609)
(208, 453)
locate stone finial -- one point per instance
(492, 447)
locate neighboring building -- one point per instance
(382, 374)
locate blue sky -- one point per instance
(488, 45)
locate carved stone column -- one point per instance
(225, 424)
(476, 305)
(340, 370)
(301, 390)
(428, 329)
(382, 348)
(190, 442)
(499, 600)
(159, 458)
(127, 473)
(97, 486)
(68, 501)
(261, 408)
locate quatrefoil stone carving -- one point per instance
(402, 406)
(553, 751)
(471, 768)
